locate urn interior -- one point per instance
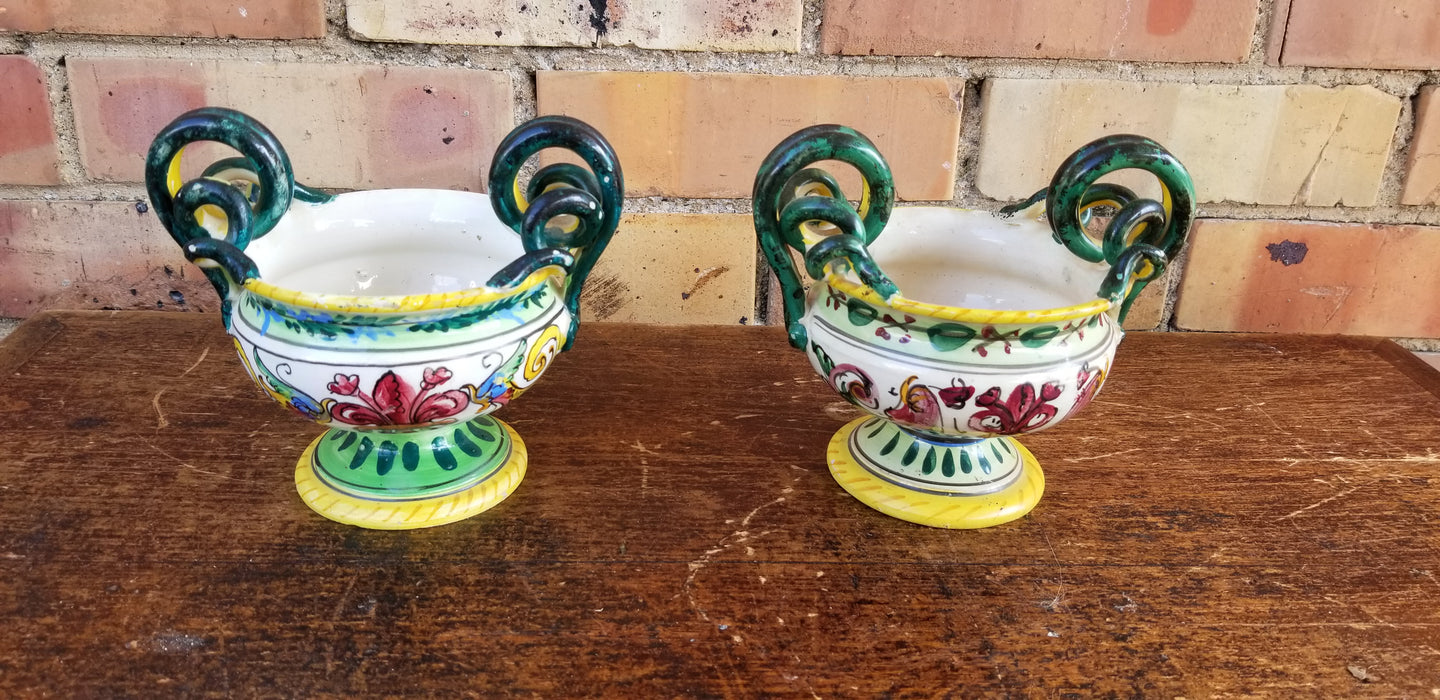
(387, 243)
(972, 259)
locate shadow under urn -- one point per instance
(399, 319)
(1007, 324)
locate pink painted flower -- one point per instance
(435, 377)
(345, 386)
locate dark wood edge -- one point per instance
(1411, 366)
(28, 339)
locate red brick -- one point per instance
(348, 126)
(91, 255)
(1422, 168)
(27, 137)
(1157, 30)
(1309, 277)
(250, 19)
(704, 134)
(1363, 34)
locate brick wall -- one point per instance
(1312, 128)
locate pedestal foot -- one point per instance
(413, 479)
(941, 483)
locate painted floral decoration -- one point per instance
(1024, 410)
(853, 384)
(918, 406)
(956, 396)
(1088, 381)
(394, 401)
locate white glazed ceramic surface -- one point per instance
(387, 242)
(966, 379)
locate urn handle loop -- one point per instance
(848, 245)
(566, 208)
(247, 194)
(789, 194)
(1143, 235)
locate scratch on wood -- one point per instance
(160, 421)
(1108, 454)
(740, 536)
(1263, 412)
(187, 465)
(640, 447)
(203, 352)
(1319, 503)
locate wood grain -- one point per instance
(1234, 515)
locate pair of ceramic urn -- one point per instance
(401, 319)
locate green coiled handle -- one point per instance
(253, 191)
(587, 201)
(788, 194)
(1143, 235)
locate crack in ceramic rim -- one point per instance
(345, 487)
(524, 331)
(977, 489)
(980, 367)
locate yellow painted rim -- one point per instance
(390, 304)
(957, 313)
(411, 515)
(951, 512)
(835, 277)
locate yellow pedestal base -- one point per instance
(411, 514)
(957, 511)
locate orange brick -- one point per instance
(1308, 277)
(675, 269)
(704, 134)
(93, 255)
(348, 126)
(27, 138)
(684, 25)
(251, 19)
(1422, 170)
(1261, 144)
(1353, 34)
(1159, 30)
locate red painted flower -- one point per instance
(395, 402)
(1023, 411)
(956, 396)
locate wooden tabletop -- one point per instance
(1234, 515)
